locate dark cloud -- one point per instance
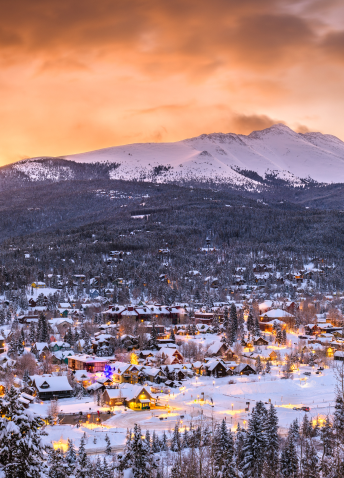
(245, 124)
(333, 45)
(158, 36)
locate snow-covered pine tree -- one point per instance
(272, 444)
(163, 442)
(2, 316)
(176, 441)
(255, 443)
(215, 323)
(87, 347)
(338, 418)
(108, 449)
(185, 439)
(43, 332)
(223, 452)
(250, 322)
(21, 446)
(155, 443)
(268, 367)
(153, 337)
(33, 333)
(172, 336)
(306, 427)
(58, 467)
(148, 439)
(239, 448)
(137, 456)
(289, 462)
(259, 366)
(327, 437)
(309, 460)
(284, 337)
(83, 465)
(234, 322)
(13, 347)
(256, 328)
(71, 455)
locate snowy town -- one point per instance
(93, 371)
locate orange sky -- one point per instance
(83, 74)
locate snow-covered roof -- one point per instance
(55, 384)
(131, 392)
(277, 313)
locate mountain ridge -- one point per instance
(277, 152)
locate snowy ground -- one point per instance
(229, 401)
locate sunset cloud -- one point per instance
(84, 75)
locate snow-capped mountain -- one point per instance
(276, 152)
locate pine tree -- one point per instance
(310, 460)
(259, 366)
(43, 329)
(172, 336)
(255, 443)
(108, 449)
(250, 322)
(153, 337)
(2, 316)
(156, 443)
(327, 437)
(256, 328)
(71, 455)
(306, 427)
(33, 333)
(148, 439)
(215, 323)
(163, 442)
(284, 337)
(239, 447)
(58, 467)
(21, 446)
(223, 453)
(272, 443)
(176, 441)
(83, 465)
(338, 418)
(268, 367)
(289, 460)
(137, 456)
(234, 322)
(225, 318)
(13, 347)
(87, 347)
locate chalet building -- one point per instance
(260, 341)
(91, 364)
(155, 375)
(278, 314)
(113, 397)
(204, 317)
(215, 368)
(48, 387)
(126, 373)
(339, 355)
(312, 329)
(40, 347)
(38, 285)
(217, 349)
(244, 369)
(171, 356)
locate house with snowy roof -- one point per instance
(50, 387)
(171, 356)
(279, 314)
